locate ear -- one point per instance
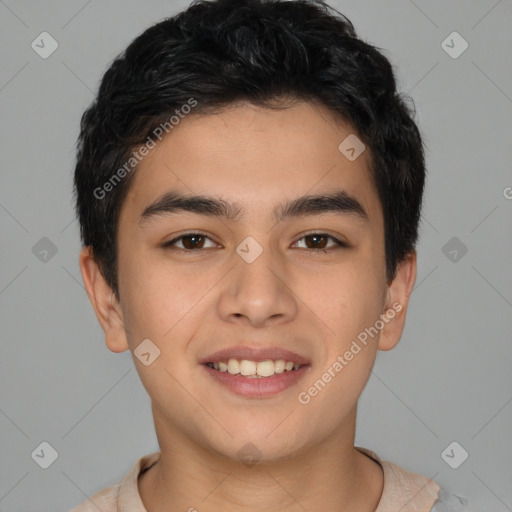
(397, 300)
(107, 308)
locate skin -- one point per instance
(303, 299)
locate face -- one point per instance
(242, 273)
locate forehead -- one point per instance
(255, 157)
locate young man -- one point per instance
(249, 186)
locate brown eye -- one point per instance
(320, 240)
(189, 242)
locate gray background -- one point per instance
(449, 378)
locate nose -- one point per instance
(258, 292)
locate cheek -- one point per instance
(347, 299)
(149, 300)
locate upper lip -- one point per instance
(256, 354)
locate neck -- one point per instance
(332, 475)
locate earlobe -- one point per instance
(397, 301)
(108, 310)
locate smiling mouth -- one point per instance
(254, 369)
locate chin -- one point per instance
(258, 444)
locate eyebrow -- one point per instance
(308, 205)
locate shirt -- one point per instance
(403, 491)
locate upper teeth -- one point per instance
(247, 368)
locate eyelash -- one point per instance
(169, 244)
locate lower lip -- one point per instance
(258, 388)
